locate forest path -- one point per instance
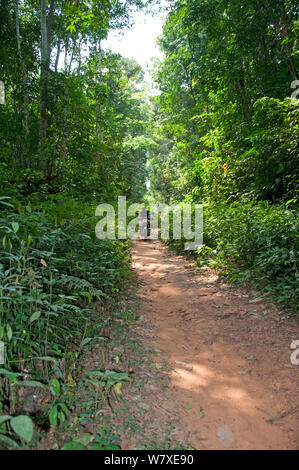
(225, 355)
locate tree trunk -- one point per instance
(25, 90)
(99, 117)
(18, 143)
(65, 110)
(45, 62)
(54, 137)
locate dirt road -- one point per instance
(225, 353)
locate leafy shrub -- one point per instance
(50, 272)
(258, 159)
(253, 242)
(257, 243)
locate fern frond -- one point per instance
(79, 285)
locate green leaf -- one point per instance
(94, 373)
(8, 332)
(57, 370)
(10, 373)
(72, 445)
(64, 408)
(61, 416)
(35, 316)
(15, 226)
(53, 416)
(4, 418)
(84, 438)
(54, 386)
(30, 383)
(85, 341)
(9, 442)
(23, 426)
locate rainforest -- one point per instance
(121, 344)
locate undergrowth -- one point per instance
(52, 267)
(255, 243)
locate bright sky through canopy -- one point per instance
(139, 42)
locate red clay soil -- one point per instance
(227, 356)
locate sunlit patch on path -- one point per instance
(227, 363)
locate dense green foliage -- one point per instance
(52, 268)
(77, 128)
(74, 132)
(252, 242)
(229, 130)
(93, 126)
